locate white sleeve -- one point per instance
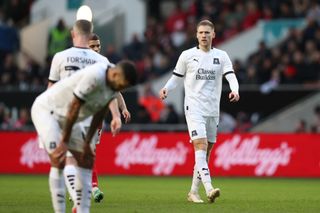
(54, 74)
(88, 82)
(173, 82)
(181, 67)
(227, 64)
(233, 82)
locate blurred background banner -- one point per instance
(170, 154)
(275, 31)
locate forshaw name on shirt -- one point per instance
(80, 60)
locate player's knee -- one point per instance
(57, 162)
(200, 144)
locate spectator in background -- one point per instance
(18, 11)
(227, 123)
(243, 123)
(8, 70)
(9, 38)
(314, 12)
(112, 54)
(59, 38)
(5, 117)
(315, 124)
(134, 50)
(152, 103)
(143, 116)
(301, 126)
(23, 120)
(169, 115)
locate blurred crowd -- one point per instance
(296, 60)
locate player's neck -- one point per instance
(83, 43)
(205, 48)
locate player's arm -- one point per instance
(95, 123)
(176, 78)
(72, 115)
(123, 107)
(234, 86)
(50, 83)
(171, 84)
(54, 75)
(116, 123)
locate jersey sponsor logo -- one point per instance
(194, 133)
(205, 74)
(216, 61)
(139, 150)
(71, 68)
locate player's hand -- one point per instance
(234, 97)
(115, 126)
(88, 156)
(163, 93)
(127, 116)
(59, 154)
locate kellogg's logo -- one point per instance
(144, 151)
(31, 154)
(246, 152)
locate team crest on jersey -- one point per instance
(52, 145)
(194, 133)
(216, 61)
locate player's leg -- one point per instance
(69, 173)
(200, 146)
(196, 127)
(193, 195)
(83, 185)
(212, 129)
(49, 133)
(96, 192)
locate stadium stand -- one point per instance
(294, 62)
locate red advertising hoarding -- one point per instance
(160, 153)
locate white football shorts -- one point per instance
(202, 127)
(49, 130)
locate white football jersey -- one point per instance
(203, 73)
(88, 84)
(66, 62)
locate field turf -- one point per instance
(168, 194)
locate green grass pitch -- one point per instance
(168, 194)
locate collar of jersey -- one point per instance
(81, 47)
(199, 47)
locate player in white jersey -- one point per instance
(64, 64)
(57, 114)
(202, 69)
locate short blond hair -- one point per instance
(83, 27)
(205, 23)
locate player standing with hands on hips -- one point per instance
(202, 68)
